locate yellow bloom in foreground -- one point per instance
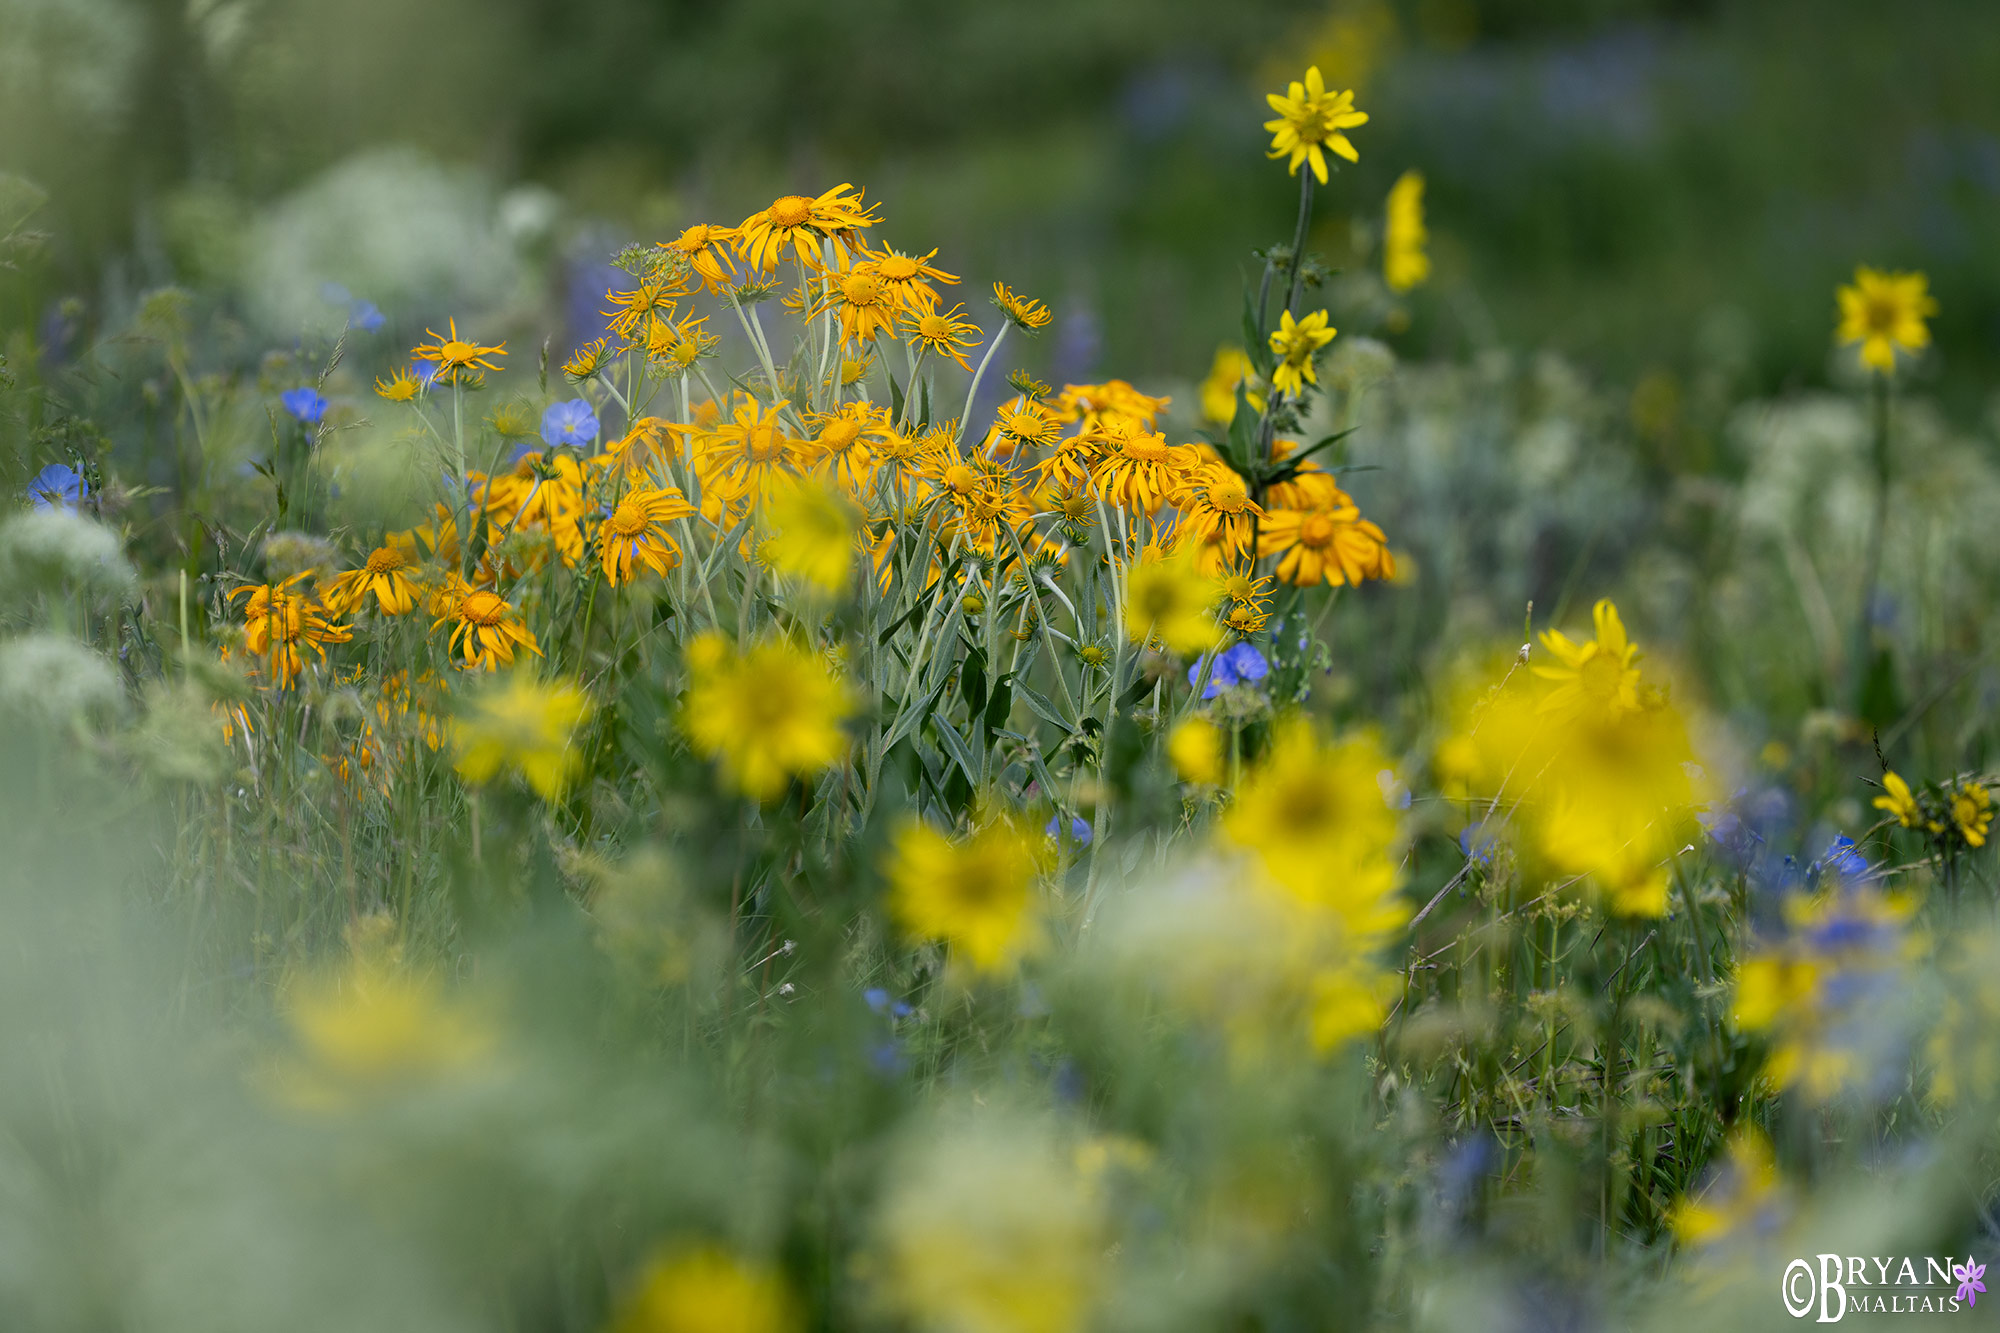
(456, 357)
(1884, 312)
(1309, 124)
(812, 535)
(990, 1229)
(1404, 263)
(1899, 800)
(1296, 343)
(1972, 812)
(1314, 815)
(374, 1027)
(1596, 678)
(707, 1291)
(766, 716)
(526, 725)
(1739, 1201)
(1195, 746)
(1170, 600)
(977, 896)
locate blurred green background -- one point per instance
(1620, 180)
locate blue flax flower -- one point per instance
(58, 486)
(571, 423)
(1238, 665)
(305, 403)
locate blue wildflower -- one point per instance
(58, 486)
(426, 371)
(1477, 842)
(1239, 665)
(1842, 859)
(571, 423)
(1079, 828)
(365, 315)
(305, 403)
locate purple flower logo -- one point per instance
(1971, 1281)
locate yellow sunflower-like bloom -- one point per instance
(1296, 343)
(632, 311)
(400, 387)
(1883, 312)
(750, 454)
(1023, 312)
(944, 334)
(909, 277)
(705, 247)
(1140, 470)
(1404, 263)
(388, 573)
(587, 360)
(846, 445)
(526, 726)
(707, 1291)
(1230, 368)
(1217, 513)
(1309, 124)
(812, 535)
(455, 357)
(277, 622)
(1196, 749)
(976, 895)
(1026, 422)
(1169, 600)
(1972, 812)
(1110, 404)
(1332, 546)
(800, 224)
(485, 628)
(766, 716)
(1899, 801)
(634, 536)
(866, 305)
(1595, 678)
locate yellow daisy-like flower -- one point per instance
(1230, 368)
(1023, 312)
(867, 306)
(1024, 421)
(1218, 514)
(1309, 124)
(909, 277)
(1597, 678)
(1141, 470)
(1404, 263)
(400, 387)
(800, 224)
(587, 360)
(812, 534)
(485, 628)
(750, 454)
(1110, 404)
(1296, 343)
(375, 1028)
(977, 895)
(277, 622)
(1883, 312)
(1972, 812)
(704, 246)
(1170, 600)
(1332, 546)
(386, 573)
(526, 725)
(766, 716)
(945, 334)
(632, 311)
(846, 444)
(634, 536)
(1899, 801)
(456, 357)
(707, 1291)
(679, 346)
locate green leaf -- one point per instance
(955, 746)
(1043, 709)
(1255, 343)
(972, 682)
(895, 396)
(1001, 704)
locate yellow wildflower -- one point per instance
(1309, 124)
(1170, 600)
(1230, 368)
(526, 725)
(400, 387)
(1739, 1201)
(634, 534)
(945, 334)
(277, 621)
(707, 1291)
(386, 573)
(1195, 747)
(1404, 263)
(1899, 801)
(376, 1027)
(1596, 677)
(702, 245)
(456, 357)
(976, 895)
(800, 225)
(1884, 312)
(1023, 312)
(1972, 812)
(767, 715)
(812, 535)
(1296, 343)
(485, 627)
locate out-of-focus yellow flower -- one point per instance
(1170, 600)
(1195, 746)
(1404, 263)
(812, 535)
(1310, 122)
(525, 725)
(376, 1027)
(1972, 812)
(1296, 343)
(707, 1290)
(1883, 312)
(1740, 1201)
(1230, 368)
(989, 1230)
(766, 716)
(1315, 818)
(400, 387)
(1023, 312)
(1899, 800)
(454, 357)
(977, 895)
(1596, 678)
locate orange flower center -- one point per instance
(1882, 314)
(1146, 449)
(861, 289)
(482, 608)
(764, 444)
(628, 520)
(960, 479)
(791, 211)
(453, 350)
(840, 434)
(1316, 532)
(934, 328)
(387, 560)
(899, 268)
(1228, 496)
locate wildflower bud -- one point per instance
(972, 604)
